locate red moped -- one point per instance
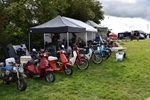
(80, 60)
(63, 64)
(40, 68)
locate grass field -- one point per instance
(111, 80)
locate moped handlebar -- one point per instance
(44, 54)
(61, 51)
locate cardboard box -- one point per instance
(25, 59)
(9, 61)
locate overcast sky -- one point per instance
(127, 8)
(126, 15)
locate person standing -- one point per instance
(55, 38)
(74, 37)
(137, 35)
(132, 36)
(97, 38)
(108, 32)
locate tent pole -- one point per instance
(29, 42)
(92, 35)
(67, 41)
(44, 41)
(86, 38)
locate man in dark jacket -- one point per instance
(74, 37)
(55, 37)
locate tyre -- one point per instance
(124, 55)
(21, 84)
(109, 51)
(97, 58)
(105, 55)
(8, 78)
(83, 65)
(50, 77)
(6, 81)
(68, 70)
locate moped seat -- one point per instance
(50, 58)
(86, 47)
(67, 53)
(94, 43)
(32, 62)
(8, 67)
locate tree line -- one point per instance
(17, 16)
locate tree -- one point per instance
(97, 10)
(15, 22)
(85, 10)
(17, 16)
(1, 18)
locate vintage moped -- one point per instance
(39, 67)
(60, 63)
(10, 71)
(80, 60)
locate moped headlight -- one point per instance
(21, 70)
(45, 54)
(107, 51)
(15, 69)
(62, 46)
(7, 72)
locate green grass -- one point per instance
(111, 80)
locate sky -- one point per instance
(128, 14)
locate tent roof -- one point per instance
(56, 25)
(95, 25)
(89, 22)
(81, 24)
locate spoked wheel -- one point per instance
(105, 55)
(50, 77)
(83, 64)
(109, 51)
(97, 58)
(68, 70)
(21, 84)
(8, 78)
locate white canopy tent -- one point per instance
(89, 29)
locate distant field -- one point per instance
(111, 80)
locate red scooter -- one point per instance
(62, 65)
(40, 68)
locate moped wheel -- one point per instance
(6, 81)
(50, 77)
(105, 56)
(97, 58)
(109, 51)
(8, 78)
(21, 84)
(68, 70)
(83, 65)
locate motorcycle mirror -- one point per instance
(33, 50)
(62, 46)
